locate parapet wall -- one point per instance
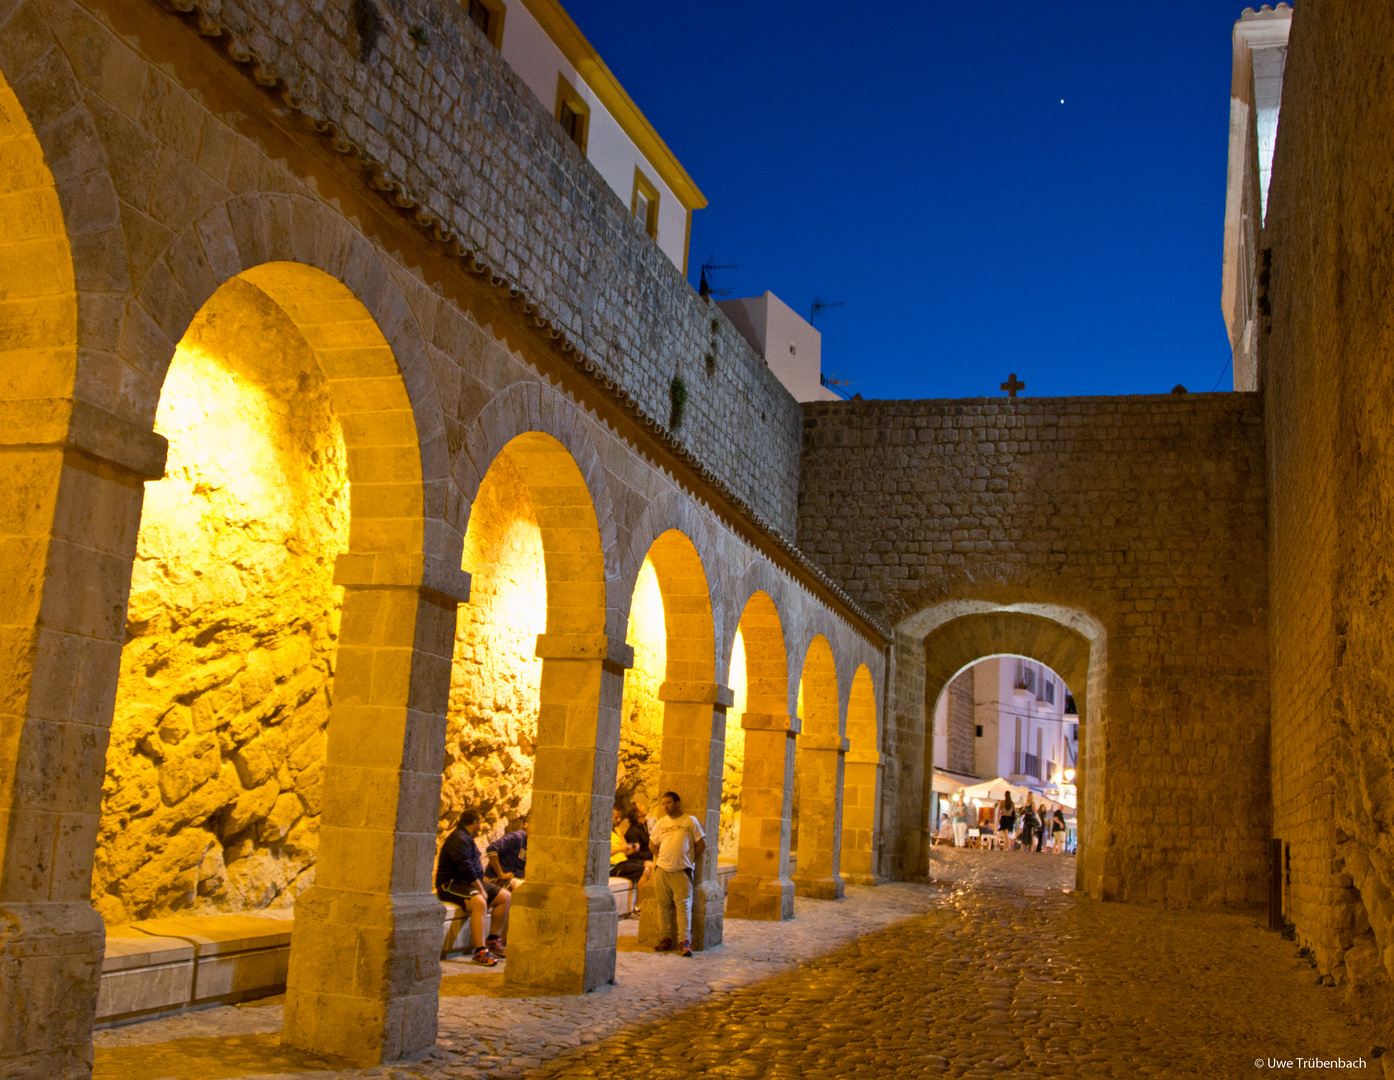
(464, 145)
(1325, 369)
(1145, 518)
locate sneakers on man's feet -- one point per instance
(685, 949)
(495, 946)
(664, 945)
(482, 957)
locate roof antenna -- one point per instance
(704, 288)
(820, 305)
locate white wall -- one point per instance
(785, 340)
(537, 60)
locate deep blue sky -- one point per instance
(914, 160)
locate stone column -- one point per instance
(364, 977)
(820, 818)
(564, 926)
(860, 810)
(70, 504)
(691, 763)
(762, 888)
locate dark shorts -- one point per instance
(462, 892)
(630, 869)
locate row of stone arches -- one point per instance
(255, 271)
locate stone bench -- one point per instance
(162, 966)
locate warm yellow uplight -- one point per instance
(212, 794)
(641, 712)
(496, 677)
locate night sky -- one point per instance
(915, 162)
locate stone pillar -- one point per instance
(364, 977)
(70, 502)
(820, 817)
(762, 888)
(564, 926)
(861, 804)
(691, 763)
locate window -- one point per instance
(645, 203)
(980, 731)
(487, 16)
(573, 114)
(1050, 691)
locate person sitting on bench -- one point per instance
(508, 856)
(460, 880)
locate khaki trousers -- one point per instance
(673, 891)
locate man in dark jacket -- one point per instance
(460, 880)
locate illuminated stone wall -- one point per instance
(496, 674)
(212, 790)
(641, 713)
(733, 766)
(1324, 364)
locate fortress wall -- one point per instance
(1146, 514)
(475, 148)
(1326, 373)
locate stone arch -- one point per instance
(861, 786)
(957, 634)
(259, 236)
(818, 773)
(761, 888)
(378, 813)
(65, 463)
(693, 706)
(538, 407)
(564, 923)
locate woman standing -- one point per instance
(1029, 822)
(1006, 821)
(959, 817)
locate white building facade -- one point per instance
(551, 55)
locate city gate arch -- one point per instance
(1070, 642)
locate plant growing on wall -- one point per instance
(367, 20)
(677, 402)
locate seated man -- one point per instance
(508, 856)
(460, 880)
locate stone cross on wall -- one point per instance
(1012, 386)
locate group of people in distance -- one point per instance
(664, 849)
(1036, 823)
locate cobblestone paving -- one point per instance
(995, 968)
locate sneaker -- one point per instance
(482, 957)
(685, 949)
(495, 946)
(664, 945)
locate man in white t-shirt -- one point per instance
(677, 843)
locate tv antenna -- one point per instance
(704, 287)
(820, 305)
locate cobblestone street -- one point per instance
(994, 968)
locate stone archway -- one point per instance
(694, 718)
(861, 786)
(958, 634)
(69, 469)
(819, 771)
(563, 922)
(762, 888)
